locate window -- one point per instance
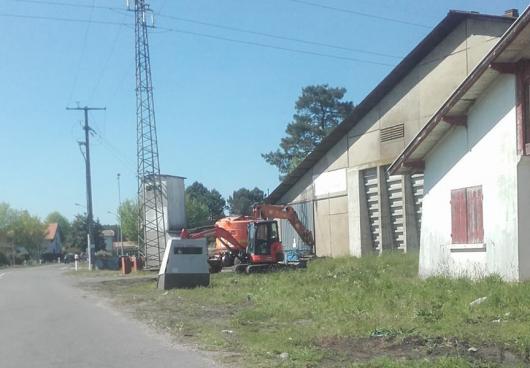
(466, 216)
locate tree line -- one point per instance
(22, 234)
(203, 207)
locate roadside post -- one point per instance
(76, 261)
(89, 248)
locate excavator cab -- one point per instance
(264, 242)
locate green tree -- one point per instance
(197, 213)
(7, 217)
(28, 231)
(317, 112)
(128, 213)
(79, 233)
(242, 200)
(212, 199)
(64, 225)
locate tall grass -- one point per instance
(342, 299)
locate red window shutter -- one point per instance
(458, 216)
(475, 227)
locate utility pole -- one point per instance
(86, 143)
(119, 214)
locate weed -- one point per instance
(358, 312)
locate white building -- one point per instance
(172, 205)
(475, 156)
(341, 191)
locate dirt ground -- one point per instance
(416, 347)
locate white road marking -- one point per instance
(2, 275)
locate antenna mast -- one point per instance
(152, 232)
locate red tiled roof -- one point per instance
(51, 231)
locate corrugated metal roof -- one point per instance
(462, 98)
(438, 33)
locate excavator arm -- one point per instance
(271, 211)
(223, 235)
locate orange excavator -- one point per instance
(252, 243)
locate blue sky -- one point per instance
(219, 104)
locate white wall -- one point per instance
(484, 154)
(174, 206)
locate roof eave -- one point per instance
(399, 165)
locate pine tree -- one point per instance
(317, 112)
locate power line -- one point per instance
(362, 14)
(280, 37)
(82, 55)
(117, 153)
(60, 19)
(103, 69)
(164, 2)
(204, 35)
(264, 45)
(305, 2)
(225, 27)
(72, 5)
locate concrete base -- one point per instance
(182, 280)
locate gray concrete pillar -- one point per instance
(410, 220)
(385, 216)
(360, 240)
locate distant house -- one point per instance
(108, 237)
(127, 247)
(474, 153)
(52, 243)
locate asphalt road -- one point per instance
(45, 321)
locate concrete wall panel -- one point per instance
(390, 150)
(322, 228)
(369, 123)
(336, 158)
(302, 191)
(339, 235)
(438, 81)
(338, 205)
(482, 36)
(455, 42)
(364, 148)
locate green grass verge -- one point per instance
(368, 312)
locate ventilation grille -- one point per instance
(391, 133)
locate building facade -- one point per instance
(342, 190)
(475, 154)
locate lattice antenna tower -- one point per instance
(152, 232)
